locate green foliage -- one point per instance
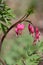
(6, 14)
(21, 49)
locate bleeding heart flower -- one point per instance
(20, 26)
(19, 29)
(31, 28)
(37, 30)
(37, 35)
(16, 30)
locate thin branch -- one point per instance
(23, 62)
(1, 61)
(30, 22)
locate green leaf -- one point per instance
(34, 57)
(6, 14)
(3, 28)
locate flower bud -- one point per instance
(31, 28)
(37, 30)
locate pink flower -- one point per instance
(20, 26)
(37, 35)
(31, 28)
(37, 30)
(16, 30)
(19, 29)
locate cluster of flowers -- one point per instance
(33, 31)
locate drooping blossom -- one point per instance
(34, 31)
(19, 29)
